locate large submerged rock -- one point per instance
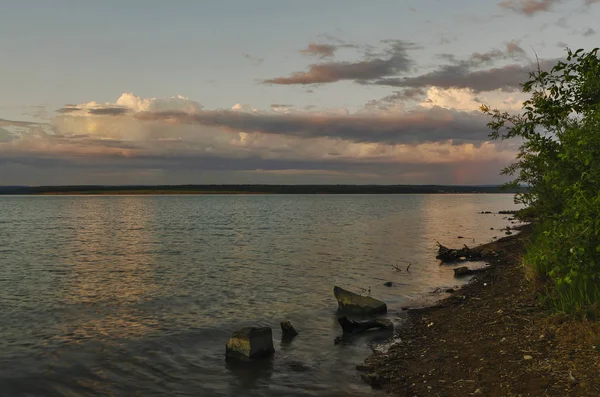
(250, 343)
(351, 303)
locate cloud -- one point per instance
(467, 100)
(468, 73)
(321, 50)
(163, 140)
(129, 102)
(529, 7)
(392, 61)
(115, 111)
(589, 32)
(418, 126)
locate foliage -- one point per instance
(559, 159)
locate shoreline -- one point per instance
(490, 338)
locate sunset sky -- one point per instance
(264, 91)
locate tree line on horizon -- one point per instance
(273, 189)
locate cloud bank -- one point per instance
(170, 137)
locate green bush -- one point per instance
(559, 159)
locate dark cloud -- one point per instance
(468, 73)
(398, 97)
(374, 66)
(508, 78)
(418, 126)
(112, 111)
(68, 109)
(38, 170)
(589, 32)
(529, 7)
(99, 111)
(281, 105)
(590, 2)
(18, 123)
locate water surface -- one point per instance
(137, 295)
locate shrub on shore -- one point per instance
(559, 159)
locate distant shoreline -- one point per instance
(251, 189)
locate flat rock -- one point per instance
(250, 343)
(351, 303)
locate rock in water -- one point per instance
(288, 331)
(462, 271)
(351, 303)
(351, 327)
(250, 343)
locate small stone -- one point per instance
(288, 331)
(363, 368)
(375, 380)
(527, 357)
(388, 283)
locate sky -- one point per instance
(264, 91)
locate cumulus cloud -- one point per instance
(392, 61)
(529, 7)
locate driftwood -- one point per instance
(446, 254)
(353, 327)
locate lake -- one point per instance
(137, 295)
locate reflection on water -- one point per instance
(137, 295)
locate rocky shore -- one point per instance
(490, 338)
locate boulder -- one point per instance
(250, 343)
(288, 331)
(351, 303)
